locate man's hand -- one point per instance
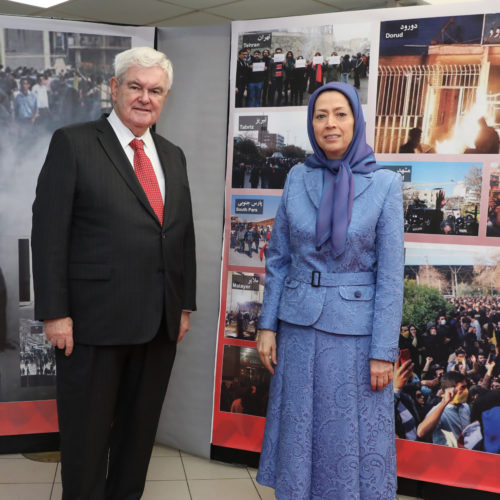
(381, 373)
(59, 332)
(266, 346)
(449, 394)
(402, 374)
(184, 325)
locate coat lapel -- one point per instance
(118, 158)
(362, 182)
(313, 181)
(164, 159)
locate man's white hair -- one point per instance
(145, 57)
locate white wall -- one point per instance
(195, 118)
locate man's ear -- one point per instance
(113, 83)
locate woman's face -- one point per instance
(333, 123)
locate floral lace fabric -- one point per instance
(328, 435)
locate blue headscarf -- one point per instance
(335, 209)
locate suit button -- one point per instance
(161, 270)
(163, 234)
(357, 294)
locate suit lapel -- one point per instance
(163, 155)
(362, 182)
(313, 180)
(118, 158)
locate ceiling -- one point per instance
(192, 12)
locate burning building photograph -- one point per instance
(438, 88)
(245, 292)
(440, 197)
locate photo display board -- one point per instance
(52, 73)
(429, 83)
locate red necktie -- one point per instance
(147, 177)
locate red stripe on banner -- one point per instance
(28, 417)
(450, 466)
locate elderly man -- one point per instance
(114, 269)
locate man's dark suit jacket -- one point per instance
(100, 255)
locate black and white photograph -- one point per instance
(283, 67)
(52, 74)
(244, 301)
(37, 356)
(266, 146)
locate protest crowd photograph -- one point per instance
(252, 220)
(266, 147)
(243, 304)
(284, 67)
(447, 378)
(441, 197)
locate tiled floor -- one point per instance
(172, 475)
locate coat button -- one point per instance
(357, 294)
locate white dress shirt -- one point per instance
(124, 136)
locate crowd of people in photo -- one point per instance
(446, 381)
(250, 239)
(32, 100)
(244, 322)
(493, 222)
(493, 35)
(37, 365)
(265, 79)
(245, 394)
(268, 173)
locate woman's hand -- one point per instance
(381, 373)
(266, 346)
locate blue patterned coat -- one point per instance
(360, 292)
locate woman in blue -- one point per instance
(331, 314)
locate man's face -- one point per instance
(460, 387)
(481, 359)
(138, 100)
(25, 87)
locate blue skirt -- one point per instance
(328, 436)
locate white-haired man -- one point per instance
(114, 271)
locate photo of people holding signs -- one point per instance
(284, 67)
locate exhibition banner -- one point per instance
(52, 74)
(429, 82)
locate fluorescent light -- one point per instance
(44, 4)
(447, 2)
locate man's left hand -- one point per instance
(184, 326)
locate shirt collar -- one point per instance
(124, 134)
